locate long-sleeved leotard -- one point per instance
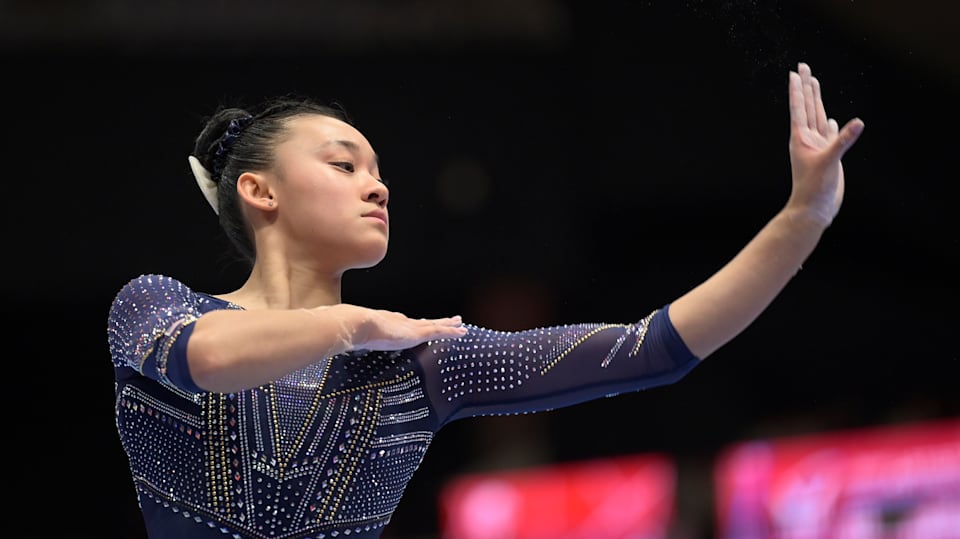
(327, 451)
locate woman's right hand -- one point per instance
(378, 329)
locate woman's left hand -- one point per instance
(816, 146)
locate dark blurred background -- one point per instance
(550, 162)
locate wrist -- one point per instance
(806, 217)
(347, 323)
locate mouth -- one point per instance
(377, 214)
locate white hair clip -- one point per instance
(207, 186)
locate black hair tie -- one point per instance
(227, 141)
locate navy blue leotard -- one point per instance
(326, 451)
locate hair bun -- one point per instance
(209, 146)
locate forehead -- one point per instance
(315, 130)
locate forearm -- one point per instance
(233, 350)
(717, 310)
(551, 367)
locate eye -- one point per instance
(345, 165)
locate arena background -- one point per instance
(550, 162)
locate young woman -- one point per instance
(279, 411)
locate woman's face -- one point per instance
(330, 200)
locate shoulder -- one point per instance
(151, 291)
(151, 283)
(147, 308)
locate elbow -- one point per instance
(205, 362)
(680, 371)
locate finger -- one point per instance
(451, 321)
(833, 128)
(798, 112)
(808, 103)
(821, 114)
(846, 137)
(444, 332)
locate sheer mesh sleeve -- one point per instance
(490, 372)
(146, 319)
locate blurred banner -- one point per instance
(893, 482)
(616, 498)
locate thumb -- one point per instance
(846, 137)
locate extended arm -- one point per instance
(720, 308)
(231, 350)
(490, 372)
(161, 328)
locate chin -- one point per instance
(371, 258)
(367, 265)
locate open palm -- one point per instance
(816, 146)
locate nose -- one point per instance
(378, 193)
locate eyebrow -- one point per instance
(353, 147)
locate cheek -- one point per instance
(320, 197)
(325, 187)
(310, 195)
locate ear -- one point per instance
(256, 190)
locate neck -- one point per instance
(282, 285)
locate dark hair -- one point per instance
(248, 146)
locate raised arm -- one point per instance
(713, 313)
